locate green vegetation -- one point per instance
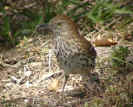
(19, 24)
(119, 56)
(98, 12)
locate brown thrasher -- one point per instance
(75, 55)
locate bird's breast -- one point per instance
(70, 58)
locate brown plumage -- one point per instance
(75, 55)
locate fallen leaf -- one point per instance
(104, 41)
(54, 85)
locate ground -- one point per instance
(29, 78)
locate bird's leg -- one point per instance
(64, 82)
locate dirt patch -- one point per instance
(27, 75)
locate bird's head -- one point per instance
(60, 25)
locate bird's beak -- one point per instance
(44, 28)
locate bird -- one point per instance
(74, 53)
